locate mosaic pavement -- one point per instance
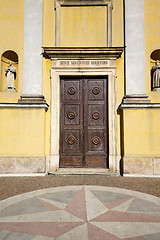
(80, 213)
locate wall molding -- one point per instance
(68, 3)
(140, 105)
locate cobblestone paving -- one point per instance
(10, 186)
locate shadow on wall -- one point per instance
(120, 113)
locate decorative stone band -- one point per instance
(139, 105)
(24, 105)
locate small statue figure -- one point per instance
(156, 75)
(11, 76)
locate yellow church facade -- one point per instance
(80, 86)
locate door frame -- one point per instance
(65, 68)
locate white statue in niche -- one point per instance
(156, 75)
(11, 76)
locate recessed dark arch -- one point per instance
(11, 56)
(155, 55)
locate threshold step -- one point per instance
(84, 171)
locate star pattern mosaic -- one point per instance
(80, 213)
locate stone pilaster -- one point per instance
(135, 88)
(32, 57)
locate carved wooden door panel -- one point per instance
(83, 139)
(95, 120)
(71, 139)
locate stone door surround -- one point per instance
(83, 62)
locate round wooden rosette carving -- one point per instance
(71, 115)
(96, 90)
(71, 140)
(71, 90)
(96, 140)
(96, 115)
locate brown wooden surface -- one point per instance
(83, 122)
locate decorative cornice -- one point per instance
(77, 52)
(32, 98)
(136, 99)
(24, 105)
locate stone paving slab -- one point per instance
(80, 213)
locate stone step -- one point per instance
(85, 171)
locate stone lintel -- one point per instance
(137, 98)
(81, 53)
(26, 98)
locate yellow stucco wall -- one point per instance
(47, 94)
(11, 38)
(84, 26)
(22, 141)
(140, 141)
(118, 41)
(120, 94)
(48, 24)
(48, 41)
(22, 132)
(141, 132)
(117, 24)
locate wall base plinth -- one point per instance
(22, 165)
(141, 166)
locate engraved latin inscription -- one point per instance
(82, 63)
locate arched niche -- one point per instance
(155, 55)
(8, 56)
(155, 70)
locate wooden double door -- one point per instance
(83, 122)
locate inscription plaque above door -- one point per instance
(83, 122)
